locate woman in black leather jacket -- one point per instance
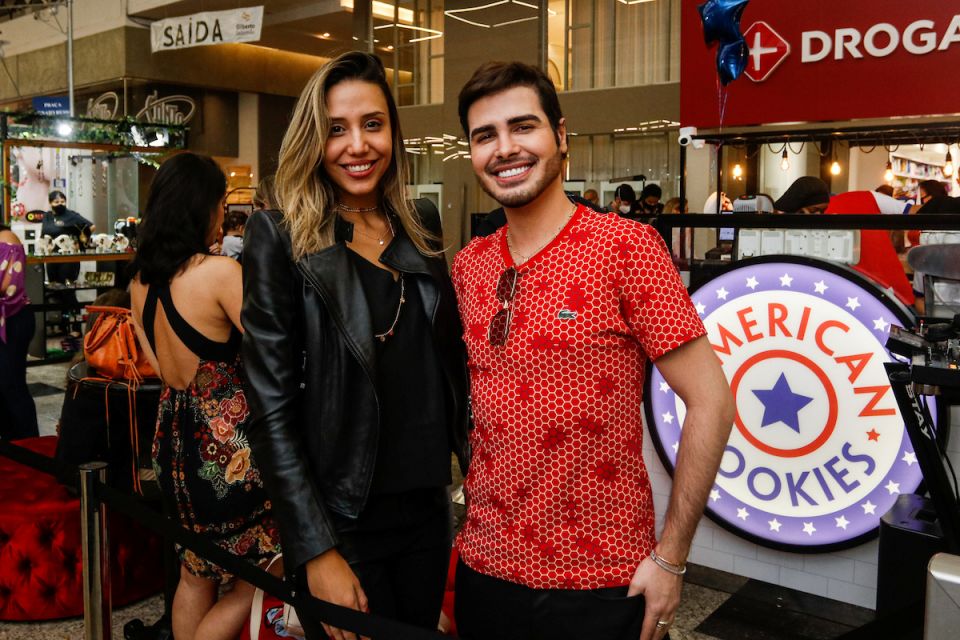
(354, 357)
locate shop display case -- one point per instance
(98, 166)
(59, 308)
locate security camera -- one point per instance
(686, 136)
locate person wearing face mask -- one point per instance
(59, 221)
(650, 200)
(624, 199)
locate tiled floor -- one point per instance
(715, 605)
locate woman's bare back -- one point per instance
(208, 296)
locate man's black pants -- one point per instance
(488, 608)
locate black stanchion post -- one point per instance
(96, 554)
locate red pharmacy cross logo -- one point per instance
(767, 50)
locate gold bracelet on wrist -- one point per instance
(666, 565)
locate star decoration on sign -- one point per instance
(775, 525)
(808, 528)
(714, 495)
(869, 507)
(842, 522)
(667, 417)
(701, 309)
(909, 457)
(892, 487)
(752, 283)
(880, 325)
(820, 287)
(722, 293)
(873, 436)
(664, 387)
(781, 404)
(742, 513)
(675, 446)
(786, 280)
(853, 303)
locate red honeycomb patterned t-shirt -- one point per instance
(558, 495)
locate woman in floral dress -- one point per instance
(187, 307)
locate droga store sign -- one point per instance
(211, 27)
(818, 451)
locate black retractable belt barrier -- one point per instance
(308, 607)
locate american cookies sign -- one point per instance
(818, 451)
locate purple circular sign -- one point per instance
(818, 451)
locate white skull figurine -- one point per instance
(102, 242)
(44, 246)
(65, 244)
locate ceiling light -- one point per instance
(64, 129)
(737, 171)
(888, 174)
(835, 168)
(456, 13)
(432, 33)
(784, 161)
(948, 167)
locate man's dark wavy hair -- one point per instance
(495, 77)
(177, 221)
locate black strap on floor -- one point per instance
(308, 607)
(35, 460)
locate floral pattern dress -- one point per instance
(206, 470)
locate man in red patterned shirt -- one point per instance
(562, 308)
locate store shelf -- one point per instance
(913, 169)
(911, 176)
(60, 316)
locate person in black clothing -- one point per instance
(649, 203)
(59, 221)
(355, 364)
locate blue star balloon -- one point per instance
(721, 23)
(732, 60)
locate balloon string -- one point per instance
(722, 96)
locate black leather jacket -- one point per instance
(310, 363)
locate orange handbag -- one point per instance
(111, 346)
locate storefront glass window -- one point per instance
(594, 44)
(414, 48)
(601, 159)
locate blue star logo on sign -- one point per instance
(780, 404)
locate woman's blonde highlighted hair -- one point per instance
(305, 193)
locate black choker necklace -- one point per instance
(344, 207)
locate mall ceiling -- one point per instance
(313, 27)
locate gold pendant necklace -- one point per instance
(382, 337)
(380, 239)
